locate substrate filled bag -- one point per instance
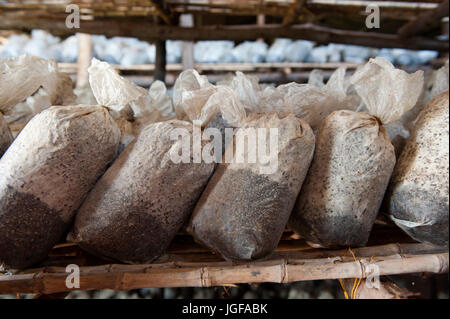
(418, 194)
(143, 199)
(6, 137)
(354, 159)
(245, 207)
(45, 175)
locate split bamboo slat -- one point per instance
(71, 68)
(187, 264)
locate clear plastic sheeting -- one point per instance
(6, 137)
(35, 82)
(120, 94)
(190, 93)
(440, 81)
(387, 92)
(161, 100)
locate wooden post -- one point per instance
(84, 59)
(187, 59)
(444, 27)
(160, 60)
(260, 21)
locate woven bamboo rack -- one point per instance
(187, 264)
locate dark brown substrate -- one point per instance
(242, 217)
(28, 229)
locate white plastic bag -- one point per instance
(418, 195)
(46, 174)
(6, 137)
(119, 93)
(354, 159)
(161, 100)
(21, 77)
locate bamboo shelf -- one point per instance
(187, 264)
(223, 67)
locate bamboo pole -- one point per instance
(85, 49)
(224, 67)
(277, 271)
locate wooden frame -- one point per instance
(187, 264)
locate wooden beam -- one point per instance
(145, 30)
(293, 12)
(163, 11)
(425, 21)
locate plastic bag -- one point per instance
(46, 174)
(118, 93)
(126, 100)
(277, 51)
(161, 100)
(440, 82)
(354, 159)
(144, 197)
(43, 86)
(298, 51)
(250, 52)
(418, 194)
(21, 77)
(6, 137)
(190, 92)
(213, 51)
(312, 102)
(242, 212)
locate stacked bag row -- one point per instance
(105, 175)
(131, 51)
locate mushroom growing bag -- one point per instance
(45, 175)
(245, 207)
(354, 159)
(418, 195)
(144, 198)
